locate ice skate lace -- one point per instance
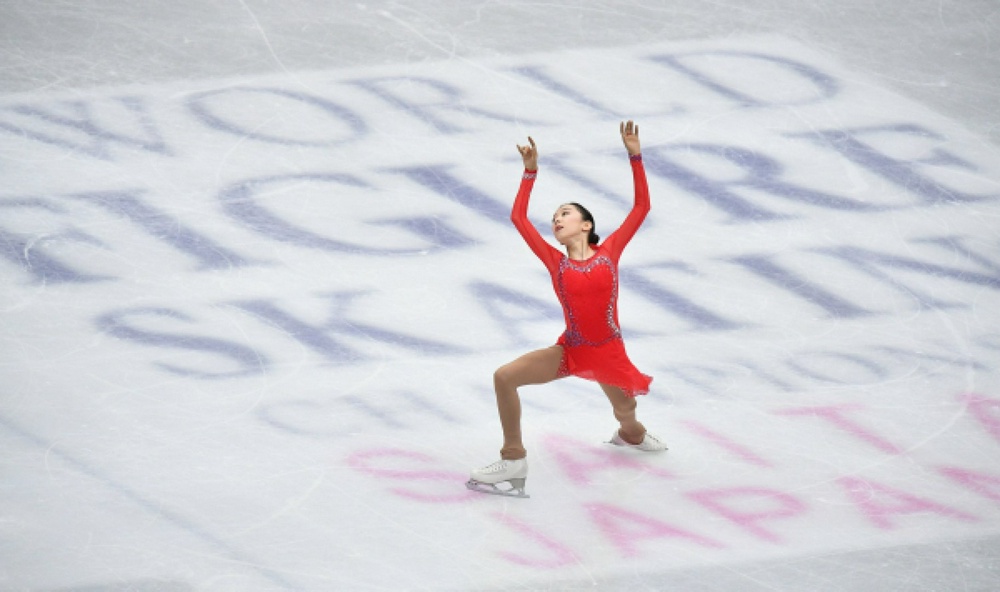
(651, 442)
(651, 439)
(497, 467)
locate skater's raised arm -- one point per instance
(640, 207)
(519, 214)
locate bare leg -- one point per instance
(624, 407)
(537, 367)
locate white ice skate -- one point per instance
(511, 472)
(650, 443)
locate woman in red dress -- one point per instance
(585, 280)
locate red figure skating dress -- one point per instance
(588, 291)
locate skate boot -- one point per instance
(650, 443)
(511, 472)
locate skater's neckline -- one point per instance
(597, 250)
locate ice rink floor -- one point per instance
(258, 269)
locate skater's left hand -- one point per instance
(630, 137)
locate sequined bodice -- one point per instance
(588, 292)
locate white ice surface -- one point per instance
(252, 302)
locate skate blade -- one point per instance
(514, 491)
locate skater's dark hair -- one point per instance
(592, 238)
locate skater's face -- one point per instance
(568, 224)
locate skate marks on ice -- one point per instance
(969, 565)
(732, 495)
(79, 518)
(135, 586)
(273, 310)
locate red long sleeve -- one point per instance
(519, 216)
(615, 243)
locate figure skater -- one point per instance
(586, 282)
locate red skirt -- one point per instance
(605, 364)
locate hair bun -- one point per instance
(594, 238)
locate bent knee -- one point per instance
(504, 376)
(510, 375)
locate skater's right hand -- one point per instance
(529, 154)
